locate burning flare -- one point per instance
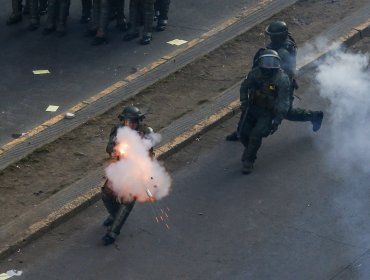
(136, 175)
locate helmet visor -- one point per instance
(133, 124)
(269, 62)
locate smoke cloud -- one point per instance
(136, 174)
(344, 79)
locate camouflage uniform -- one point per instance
(161, 9)
(265, 95)
(16, 16)
(86, 11)
(141, 9)
(58, 11)
(101, 11)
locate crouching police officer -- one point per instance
(120, 210)
(264, 95)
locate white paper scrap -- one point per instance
(177, 42)
(4, 276)
(14, 272)
(41, 72)
(52, 108)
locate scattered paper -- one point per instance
(177, 42)
(10, 273)
(4, 276)
(14, 272)
(52, 108)
(41, 72)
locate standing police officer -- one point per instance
(58, 11)
(141, 9)
(265, 99)
(119, 211)
(161, 10)
(16, 16)
(99, 22)
(86, 11)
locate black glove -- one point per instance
(274, 127)
(243, 106)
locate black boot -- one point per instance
(109, 238)
(317, 118)
(233, 136)
(122, 26)
(99, 41)
(247, 167)
(130, 36)
(162, 24)
(146, 39)
(33, 25)
(48, 30)
(90, 33)
(13, 19)
(85, 19)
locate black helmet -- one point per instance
(131, 113)
(277, 28)
(269, 59)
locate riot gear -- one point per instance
(269, 59)
(120, 210)
(131, 113)
(277, 30)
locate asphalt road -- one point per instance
(295, 217)
(79, 70)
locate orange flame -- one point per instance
(121, 149)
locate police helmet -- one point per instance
(277, 28)
(131, 113)
(269, 59)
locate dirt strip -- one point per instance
(51, 168)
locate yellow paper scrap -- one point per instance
(41, 72)
(4, 276)
(52, 108)
(177, 42)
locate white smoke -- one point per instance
(344, 79)
(136, 174)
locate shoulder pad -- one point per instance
(290, 46)
(148, 130)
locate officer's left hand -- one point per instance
(274, 127)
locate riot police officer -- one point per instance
(86, 11)
(99, 22)
(284, 44)
(119, 211)
(58, 11)
(141, 9)
(265, 97)
(161, 10)
(16, 16)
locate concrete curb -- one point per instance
(30, 226)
